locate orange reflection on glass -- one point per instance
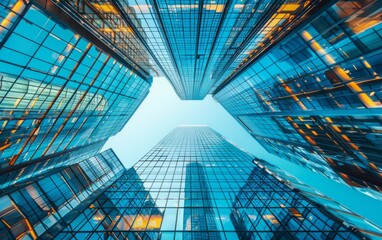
(271, 218)
(214, 7)
(143, 221)
(294, 97)
(296, 213)
(354, 87)
(17, 8)
(105, 8)
(289, 7)
(317, 47)
(5, 146)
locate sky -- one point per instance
(162, 111)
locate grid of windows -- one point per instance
(191, 27)
(9, 15)
(318, 90)
(109, 19)
(31, 210)
(9, 178)
(151, 28)
(196, 42)
(267, 22)
(300, 156)
(194, 185)
(60, 92)
(63, 96)
(320, 200)
(294, 74)
(267, 209)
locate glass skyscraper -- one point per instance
(209, 39)
(302, 77)
(63, 91)
(319, 199)
(314, 98)
(307, 72)
(41, 206)
(196, 44)
(192, 185)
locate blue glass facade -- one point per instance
(195, 185)
(314, 97)
(321, 200)
(62, 96)
(303, 77)
(279, 213)
(192, 185)
(198, 44)
(37, 208)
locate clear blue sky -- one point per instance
(162, 111)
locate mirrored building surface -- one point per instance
(307, 72)
(192, 185)
(63, 90)
(321, 200)
(196, 44)
(302, 77)
(40, 207)
(314, 97)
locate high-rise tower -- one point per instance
(303, 77)
(63, 90)
(40, 207)
(315, 97)
(195, 44)
(196, 185)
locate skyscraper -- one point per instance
(318, 198)
(195, 44)
(40, 207)
(192, 185)
(63, 90)
(303, 77)
(207, 39)
(307, 72)
(314, 97)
